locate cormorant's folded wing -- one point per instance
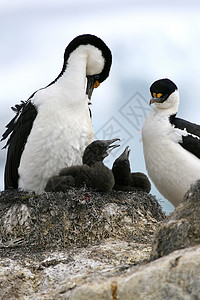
(18, 130)
(190, 142)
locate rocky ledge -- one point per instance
(87, 245)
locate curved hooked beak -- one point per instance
(91, 84)
(156, 99)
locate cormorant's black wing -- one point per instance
(18, 131)
(191, 142)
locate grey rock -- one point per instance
(87, 245)
(182, 228)
(52, 244)
(88, 277)
(173, 277)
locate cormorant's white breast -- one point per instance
(171, 145)
(52, 128)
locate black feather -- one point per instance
(191, 142)
(18, 129)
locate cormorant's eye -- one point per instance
(96, 77)
(159, 95)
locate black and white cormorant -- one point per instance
(52, 128)
(171, 145)
(92, 173)
(124, 179)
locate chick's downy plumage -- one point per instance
(124, 179)
(92, 173)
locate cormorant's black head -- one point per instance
(121, 164)
(98, 150)
(93, 79)
(161, 90)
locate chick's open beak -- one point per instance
(91, 84)
(126, 152)
(108, 145)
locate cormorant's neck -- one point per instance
(72, 78)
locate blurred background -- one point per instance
(149, 40)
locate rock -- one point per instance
(52, 244)
(87, 245)
(176, 276)
(86, 277)
(182, 228)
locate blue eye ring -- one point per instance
(96, 77)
